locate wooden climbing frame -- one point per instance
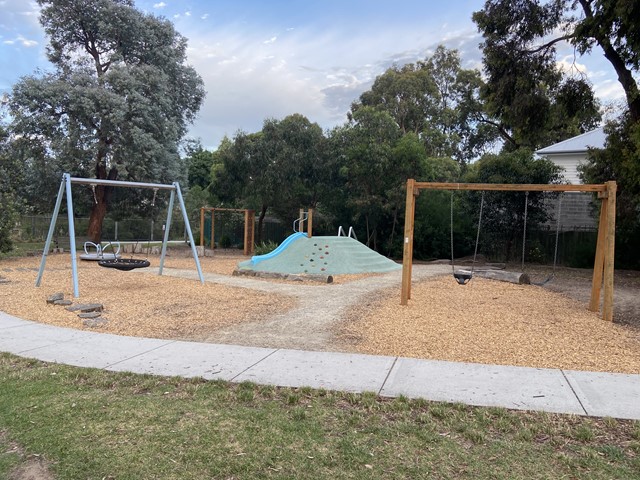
(603, 268)
(249, 226)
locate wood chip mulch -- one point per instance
(492, 323)
(136, 304)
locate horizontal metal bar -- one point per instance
(536, 187)
(121, 183)
(219, 209)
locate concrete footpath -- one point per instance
(550, 390)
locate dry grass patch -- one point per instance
(136, 304)
(494, 323)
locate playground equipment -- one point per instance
(555, 249)
(65, 187)
(603, 268)
(249, 226)
(100, 253)
(464, 276)
(301, 253)
(304, 216)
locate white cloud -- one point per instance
(187, 14)
(205, 16)
(159, 5)
(25, 42)
(315, 72)
(570, 65)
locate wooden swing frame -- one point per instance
(249, 226)
(603, 268)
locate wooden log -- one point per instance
(296, 277)
(504, 276)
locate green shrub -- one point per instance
(266, 247)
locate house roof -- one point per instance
(580, 144)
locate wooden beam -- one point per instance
(607, 302)
(535, 187)
(310, 223)
(213, 229)
(252, 231)
(246, 233)
(202, 227)
(407, 249)
(598, 264)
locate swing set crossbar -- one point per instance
(603, 268)
(532, 187)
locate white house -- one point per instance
(577, 208)
(569, 153)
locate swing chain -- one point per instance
(555, 249)
(153, 201)
(475, 251)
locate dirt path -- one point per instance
(310, 325)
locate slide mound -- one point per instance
(321, 255)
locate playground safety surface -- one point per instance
(483, 322)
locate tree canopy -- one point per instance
(439, 101)
(119, 100)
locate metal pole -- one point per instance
(52, 227)
(194, 252)
(72, 238)
(120, 183)
(166, 231)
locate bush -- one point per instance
(266, 247)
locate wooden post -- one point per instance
(247, 249)
(252, 231)
(202, 226)
(407, 249)
(598, 264)
(213, 229)
(310, 223)
(607, 302)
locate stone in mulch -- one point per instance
(56, 297)
(86, 307)
(95, 322)
(63, 302)
(89, 314)
(4, 280)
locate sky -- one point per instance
(264, 59)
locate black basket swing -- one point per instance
(124, 264)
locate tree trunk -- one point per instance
(625, 77)
(263, 213)
(98, 212)
(102, 198)
(518, 278)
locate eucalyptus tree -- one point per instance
(9, 171)
(438, 100)
(281, 168)
(374, 160)
(118, 101)
(533, 99)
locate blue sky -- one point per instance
(268, 59)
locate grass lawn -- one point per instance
(90, 424)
